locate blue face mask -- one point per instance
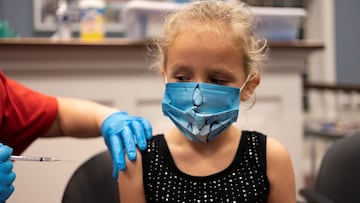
(201, 111)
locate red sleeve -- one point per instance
(24, 114)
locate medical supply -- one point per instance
(33, 158)
(118, 129)
(63, 31)
(92, 23)
(201, 111)
(6, 31)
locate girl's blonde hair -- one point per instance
(226, 18)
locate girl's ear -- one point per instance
(250, 86)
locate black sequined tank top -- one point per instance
(244, 180)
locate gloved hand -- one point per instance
(121, 129)
(7, 176)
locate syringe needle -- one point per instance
(32, 158)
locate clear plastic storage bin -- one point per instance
(279, 23)
(144, 19)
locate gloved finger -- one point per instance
(5, 192)
(7, 179)
(115, 171)
(5, 152)
(118, 158)
(117, 152)
(147, 127)
(128, 140)
(6, 167)
(139, 133)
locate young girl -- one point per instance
(210, 60)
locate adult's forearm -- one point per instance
(79, 118)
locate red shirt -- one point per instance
(24, 114)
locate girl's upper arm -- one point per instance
(280, 173)
(130, 182)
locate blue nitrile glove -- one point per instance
(122, 130)
(7, 176)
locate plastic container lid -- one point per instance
(91, 4)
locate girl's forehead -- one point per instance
(213, 28)
(208, 49)
(208, 38)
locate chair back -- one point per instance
(339, 175)
(92, 182)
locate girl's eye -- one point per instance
(182, 78)
(218, 81)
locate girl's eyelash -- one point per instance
(181, 78)
(218, 81)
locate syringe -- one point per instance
(32, 158)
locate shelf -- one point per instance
(296, 44)
(36, 54)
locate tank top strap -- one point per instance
(254, 143)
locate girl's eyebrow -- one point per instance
(221, 70)
(214, 70)
(180, 67)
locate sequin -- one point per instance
(244, 180)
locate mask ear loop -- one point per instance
(244, 84)
(244, 111)
(249, 77)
